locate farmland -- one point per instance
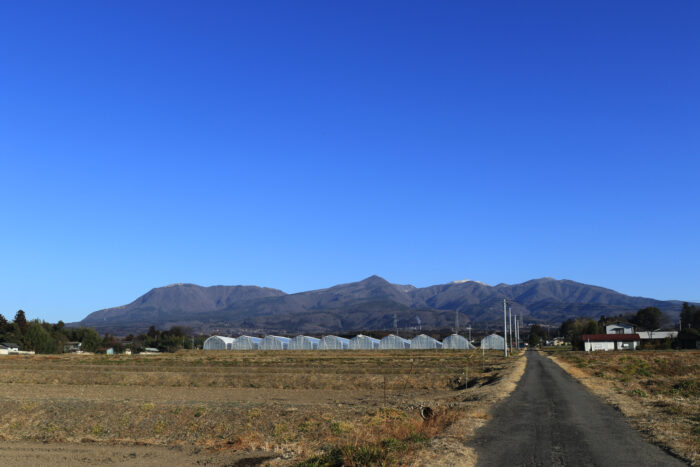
(659, 392)
(279, 408)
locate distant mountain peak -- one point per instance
(374, 278)
(463, 281)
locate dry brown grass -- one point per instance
(361, 406)
(659, 391)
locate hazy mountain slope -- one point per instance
(180, 300)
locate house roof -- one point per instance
(10, 345)
(610, 337)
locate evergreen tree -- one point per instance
(21, 321)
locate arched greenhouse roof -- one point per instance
(246, 343)
(456, 342)
(493, 342)
(333, 343)
(425, 342)
(362, 342)
(393, 342)
(218, 343)
(304, 343)
(275, 343)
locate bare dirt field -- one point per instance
(247, 408)
(659, 392)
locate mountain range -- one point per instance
(370, 304)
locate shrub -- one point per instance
(687, 388)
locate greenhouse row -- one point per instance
(360, 342)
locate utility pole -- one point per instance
(396, 326)
(505, 329)
(510, 330)
(456, 322)
(470, 333)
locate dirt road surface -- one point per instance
(552, 420)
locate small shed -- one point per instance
(456, 342)
(218, 343)
(10, 347)
(393, 342)
(493, 342)
(362, 342)
(275, 343)
(71, 347)
(246, 343)
(593, 342)
(303, 343)
(333, 343)
(425, 342)
(657, 335)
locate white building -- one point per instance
(621, 341)
(619, 328)
(303, 343)
(653, 335)
(9, 347)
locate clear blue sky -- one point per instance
(300, 144)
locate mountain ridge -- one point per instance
(370, 303)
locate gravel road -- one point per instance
(552, 420)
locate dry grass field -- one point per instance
(279, 408)
(658, 390)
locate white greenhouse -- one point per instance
(218, 343)
(456, 342)
(246, 343)
(362, 342)
(275, 343)
(493, 342)
(333, 343)
(392, 342)
(304, 343)
(425, 342)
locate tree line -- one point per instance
(43, 337)
(46, 338)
